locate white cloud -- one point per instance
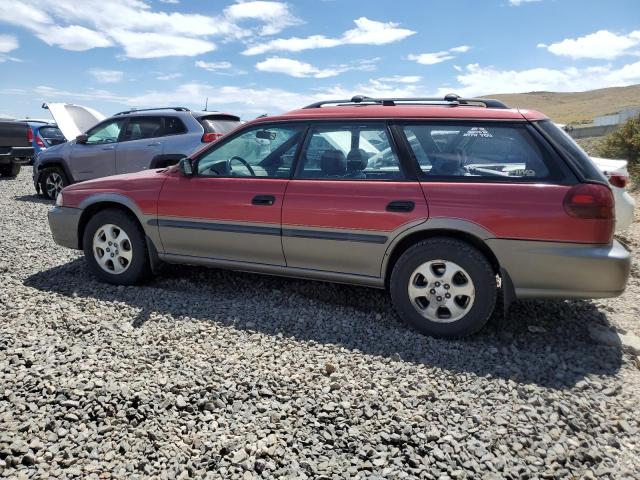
(73, 37)
(367, 32)
(438, 57)
(602, 44)
(142, 30)
(8, 43)
(156, 45)
(275, 15)
(171, 2)
(295, 68)
(477, 80)
(213, 66)
(517, 3)
(106, 76)
(401, 79)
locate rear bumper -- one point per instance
(563, 270)
(63, 222)
(16, 155)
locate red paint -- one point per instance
(217, 198)
(354, 205)
(518, 211)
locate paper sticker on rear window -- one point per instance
(478, 132)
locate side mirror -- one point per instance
(82, 138)
(185, 166)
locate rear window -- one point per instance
(51, 133)
(494, 151)
(572, 151)
(218, 124)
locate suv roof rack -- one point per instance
(134, 110)
(451, 100)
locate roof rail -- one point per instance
(451, 100)
(177, 109)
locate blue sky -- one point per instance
(254, 57)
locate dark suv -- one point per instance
(441, 201)
(128, 142)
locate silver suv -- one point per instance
(128, 142)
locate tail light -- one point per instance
(589, 200)
(618, 180)
(29, 135)
(39, 142)
(211, 137)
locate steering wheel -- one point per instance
(242, 161)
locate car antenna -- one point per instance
(206, 104)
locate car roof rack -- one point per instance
(135, 110)
(451, 100)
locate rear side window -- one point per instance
(484, 150)
(173, 126)
(216, 124)
(572, 151)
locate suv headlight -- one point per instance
(59, 201)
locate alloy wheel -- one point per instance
(112, 249)
(53, 184)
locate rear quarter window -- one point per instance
(475, 150)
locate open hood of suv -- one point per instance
(73, 119)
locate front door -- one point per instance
(231, 208)
(350, 197)
(97, 156)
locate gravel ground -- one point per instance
(232, 375)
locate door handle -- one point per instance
(263, 200)
(108, 148)
(154, 144)
(401, 206)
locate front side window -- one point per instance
(349, 152)
(107, 132)
(489, 150)
(140, 128)
(262, 151)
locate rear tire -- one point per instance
(115, 248)
(10, 170)
(52, 181)
(444, 287)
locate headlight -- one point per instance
(59, 202)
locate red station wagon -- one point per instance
(440, 201)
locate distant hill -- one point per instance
(575, 107)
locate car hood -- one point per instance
(122, 182)
(73, 119)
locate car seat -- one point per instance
(333, 163)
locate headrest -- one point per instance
(333, 162)
(357, 160)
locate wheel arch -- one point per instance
(463, 230)
(55, 162)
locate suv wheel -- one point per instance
(52, 181)
(10, 170)
(115, 248)
(444, 287)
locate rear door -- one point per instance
(231, 209)
(349, 198)
(141, 141)
(97, 156)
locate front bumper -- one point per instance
(63, 222)
(563, 270)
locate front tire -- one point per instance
(444, 287)
(52, 181)
(115, 248)
(10, 170)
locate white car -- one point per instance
(618, 175)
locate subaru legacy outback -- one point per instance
(441, 201)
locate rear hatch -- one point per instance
(72, 119)
(51, 135)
